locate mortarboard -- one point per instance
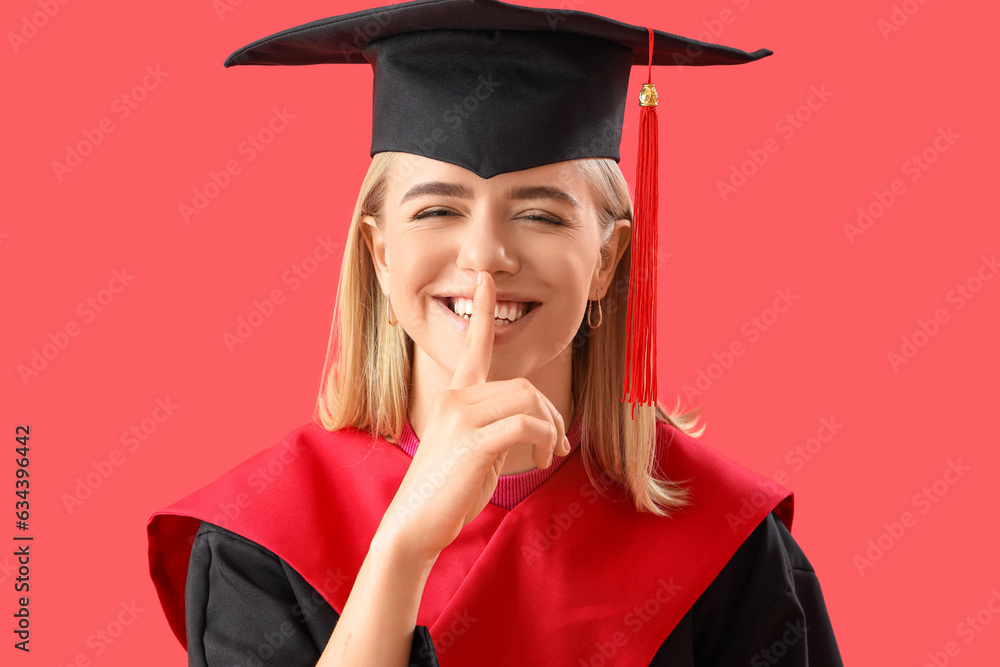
(494, 88)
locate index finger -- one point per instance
(474, 362)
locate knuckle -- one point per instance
(474, 440)
(444, 399)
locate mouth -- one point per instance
(505, 313)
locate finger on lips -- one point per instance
(474, 362)
(474, 366)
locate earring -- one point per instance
(388, 309)
(600, 315)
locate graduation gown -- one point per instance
(255, 567)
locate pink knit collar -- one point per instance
(511, 489)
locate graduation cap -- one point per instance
(494, 88)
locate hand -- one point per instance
(472, 426)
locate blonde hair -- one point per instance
(365, 384)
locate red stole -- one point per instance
(566, 577)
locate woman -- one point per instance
(473, 470)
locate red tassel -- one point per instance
(640, 364)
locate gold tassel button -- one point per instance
(647, 96)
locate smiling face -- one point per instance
(538, 232)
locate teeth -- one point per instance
(510, 311)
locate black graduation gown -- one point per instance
(246, 606)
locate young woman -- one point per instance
(474, 490)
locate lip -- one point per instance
(501, 333)
(500, 296)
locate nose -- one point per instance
(484, 245)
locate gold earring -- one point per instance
(600, 315)
(388, 309)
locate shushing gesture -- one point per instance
(472, 426)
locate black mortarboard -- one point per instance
(494, 88)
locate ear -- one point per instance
(620, 237)
(377, 248)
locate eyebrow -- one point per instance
(443, 189)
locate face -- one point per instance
(535, 231)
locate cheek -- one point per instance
(566, 284)
(413, 270)
(570, 279)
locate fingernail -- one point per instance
(566, 440)
(479, 278)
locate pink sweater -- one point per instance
(511, 489)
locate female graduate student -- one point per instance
(489, 479)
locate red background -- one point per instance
(825, 358)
